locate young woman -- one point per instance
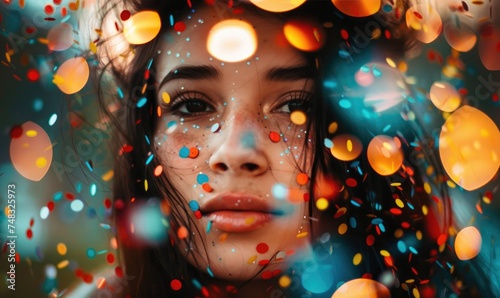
(227, 182)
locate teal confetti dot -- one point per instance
(353, 222)
(120, 93)
(210, 271)
(142, 102)
(91, 213)
(150, 158)
(52, 119)
(196, 283)
(345, 103)
(364, 68)
(89, 166)
(376, 72)
(387, 8)
(38, 105)
(209, 226)
(91, 253)
(413, 250)
(93, 189)
(401, 246)
(184, 152)
(376, 221)
(147, 139)
(150, 62)
(328, 143)
(202, 178)
(57, 196)
(194, 205)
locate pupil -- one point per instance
(196, 106)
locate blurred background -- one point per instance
(62, 193)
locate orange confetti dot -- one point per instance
(158, 170)
(206, 187)
(302, 179)
(182, 232)
(274, 136)
(193, 152)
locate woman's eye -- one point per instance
(190, 104)
(194, 107)
(294, 105)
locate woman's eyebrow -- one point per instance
(192, 72)
(293, 73)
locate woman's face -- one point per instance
(226, 141)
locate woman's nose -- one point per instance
(240, 152)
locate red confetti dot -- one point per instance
(176, 284)
(418, 15)
(442, 239)
(351, 182)
(127, 148)
(396, 211)
(16, 132)
(274, 136)
(87, 278)
(405, 225)
(29, 233)
(119, 271)
(370, 239)
(494, 97)
(51, 205)
(110, 258)
(179, 26)
(306, 197)
(146, 74)
(125, 15)
(49, 9)
(344, 34)
(119, 204)
(262, 248)
(231, 289)
(267, 275)
(197, 214)
(70, 196)
(107, 203)
(64, 12)
(78, 272)
(33, 75)
(263, 262)
(57, 2)
(276, 272)
(32, 222)
(387, 34)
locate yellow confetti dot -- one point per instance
(418, 234)
(400, 203)
(410, 281)
(249, 220)
(165, 97)
(322, 203)
(285, 281)
(390, 62)
(376, 33)
(451, 184)
(93, 47)
(31, 133)
(302, 235)
(298, 117)
(61, 249)
(385, 253)
(41, 162)
(342, 229)
(402, 66)
(252, 259)
(146, 184)
(62, 264)
(357, 259)
(396, 184)
(425, 210)
(416, 293)
(427, 188)
(349, 145)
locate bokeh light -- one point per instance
(346, 147)
(142, 27)
(426, 21)
(460, 38)
(305, 35)
(468, 243)
(357, 8)
(385, 155)
(72, 75)
(31, 152)
(318, 279)
(60, 37)
(277, 5)
(362, 287)
(469, 146)
(232, 41)
(444, 96)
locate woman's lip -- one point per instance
(239, 221)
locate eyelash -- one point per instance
(300, 96)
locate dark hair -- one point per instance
(369, 202)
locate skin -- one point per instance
(240, 157)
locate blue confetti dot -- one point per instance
(91, 213)
(413, 250)
(376, 221)
(210, 271)
(57, 196)
(353, 222)
(376, 72)
(202, 178)
(142, 102)
(387, 8)
(150, 158)
(345, 103)
(38, 105)
(184, 152)
(194, 205)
